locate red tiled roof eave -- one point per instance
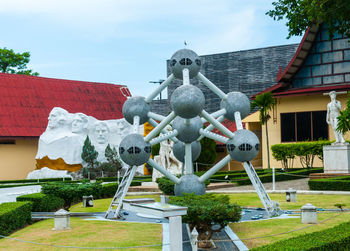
(314, 90)
(26, 101)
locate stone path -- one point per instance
(11, 193)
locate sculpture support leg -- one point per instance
(215, 168)
(188, 159)
(185, 76)
(163, 171)
(160, 126)
(213, 136)
(155, 124)
(238, 121)
(217, 124)
(160, 88)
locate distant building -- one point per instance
(319, 65)
(25, 104)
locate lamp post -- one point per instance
(160, 81)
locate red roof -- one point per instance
(26, 102)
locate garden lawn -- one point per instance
(320, 201)
(86, 233)
(103, 204)
(253, 229)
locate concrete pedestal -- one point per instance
(62, 221)
(291, 195)
(308, 214)
(336, 159)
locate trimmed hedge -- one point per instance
(42, 202)
(341, 183)
(14, 215)
(280, 176)
(108, 190)
(335, 238)
(33, 180)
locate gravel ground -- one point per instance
(300, 184)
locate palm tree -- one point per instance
(264, 102)
(344, 119)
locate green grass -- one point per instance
(103, 204)
(321, 201)
(86, 233)
(247, 231)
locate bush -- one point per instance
(331, 184)
(336, 238)
(206, 211)
(167, 186)
(14, 215)
(42, 202)
(33, 180)
(306, 151)
(108, 190)
(291, 175)
(72, 192)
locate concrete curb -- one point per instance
(283, 192)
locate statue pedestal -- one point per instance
(336, 158)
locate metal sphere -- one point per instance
(136, 106)
(244, 146)
(134, 151)
(189, 183)
(187, 132)
(187, 101)
(179, 150)
(182, 59)
(236, 101)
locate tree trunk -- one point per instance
(268, 148)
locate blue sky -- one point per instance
(128, 41)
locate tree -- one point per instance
(89, 154)
(208, 153)
(344, 119)
(208, 213)
(11, 62)
(112, 156)
(264, 102)
(301, 14)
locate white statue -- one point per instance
(333, 109)
(166, 159)
(101, 137)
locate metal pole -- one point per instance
(160, 126)
(163, 171)
(160, 88)
(211, 86)
(215, 168)
(211, 127)
(188, 159)
(238, 121)
(155, 124)
(185, 76)
(273, 179)
(217, 124)
(213, 136)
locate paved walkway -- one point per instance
(11, 193)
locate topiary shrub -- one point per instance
(206, 211)
(42, 202)
(72, 192)
(341, 183)
(108, 190)
(14, 215)
(335, 238)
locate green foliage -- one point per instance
(102, 170)
(335, 238)
(11, 62)
(340, 206)
(112, 157)
(341, 183)
(306, 151)
(72, 192)
(42, 202)
(33, 180)
(208, 153)
(279, 176)
(167, 186)
(155, 150)
(344, 119)
(108, 190)
(265, 103)
(303, 13)
(206, 211)
(14, 215)
(89, 154)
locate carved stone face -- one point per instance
(333, 95)
(56, 119)
(102, 132)
(78, 124)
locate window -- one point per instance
(303, 126)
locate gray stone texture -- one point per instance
(249, 71)
(187, 132)
(235, 102)
(320, 70)
(342, 67)
(341, 44)
(133, 150)
(136, 106)
(160, 106)
(244, 146)
(189, 183)
(179, 150)
(347, 77)
(333, 79)
(346, 54)
(323, 46)
(330, 57)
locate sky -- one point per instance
(128, 41)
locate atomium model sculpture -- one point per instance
(186, 119)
